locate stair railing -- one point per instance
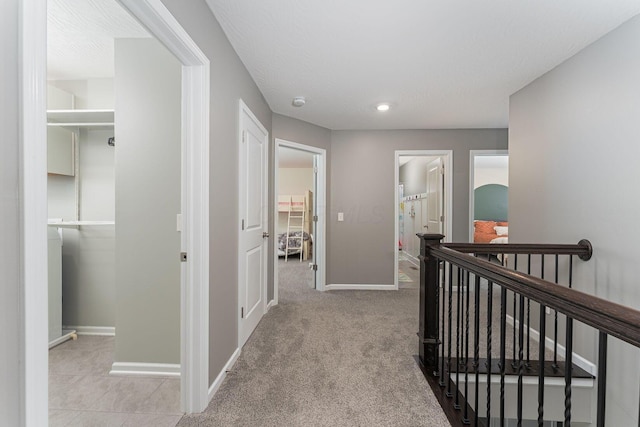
(456, 342)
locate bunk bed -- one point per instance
(295, 225)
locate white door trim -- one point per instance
(33, 350)
(321, 228)
(447, 160)
(244, 110)
(195, 204)
(472, 168)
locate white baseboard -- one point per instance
(272, 303)
(359, 287)
(223, 374)
(136, 369)
(105, 331)
(580, 361)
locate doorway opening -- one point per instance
(299, 217)
(488, 196)
(193, 202)
(423, 204)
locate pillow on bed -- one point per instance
(485, 226)
(501, 231)
(503, 223)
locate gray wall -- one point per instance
(230, 82)
(11, 370)
(295, 130)
(360, 249)
(148, 133)
(573, 147)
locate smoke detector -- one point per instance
(298, 101)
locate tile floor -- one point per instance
(82, 393)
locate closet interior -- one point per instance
(81, 208)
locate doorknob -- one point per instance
(265, 234)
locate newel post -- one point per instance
(429, 282)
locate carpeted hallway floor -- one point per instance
(339, 358)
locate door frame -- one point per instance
(447, 162)
(244, 110)
(319, 241)
(194, 305)
(472, 168)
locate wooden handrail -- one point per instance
(614, 319)
(582, 249)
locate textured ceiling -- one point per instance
(440, 63)
(80, 36)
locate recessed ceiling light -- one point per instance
(383, 107)
(298, 101)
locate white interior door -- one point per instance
(252, 260)
(435, 193)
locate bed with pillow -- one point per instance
(486, 231)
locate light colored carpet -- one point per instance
(339, 358)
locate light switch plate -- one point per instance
(340, 216)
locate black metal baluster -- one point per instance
(568, 371)
(449, 393)
(489, 332)
(555, 327)
(439, 279)
(515, 313)
(465, 418)
(528, 316)
(503, 343)
(541, 350)
(520, 360)
(476, 348)
(443, 285)
(456, 403)
(515, 316)
(602, 378)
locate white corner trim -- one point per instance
(223, 374)
(103, 331)
(580, 361)
(272, 303)
(136, 369)
(360, 287)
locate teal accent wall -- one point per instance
(490, 202)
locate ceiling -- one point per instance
(80, 35)
(440, 63)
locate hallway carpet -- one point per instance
(338, 358)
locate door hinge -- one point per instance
(243, 224)
(244, 136)
(441, 218)
(183, 257)
(242, 312)
(315, 169)
(315, 218)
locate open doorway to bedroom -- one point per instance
(299, 217)
(423, 205)
(488, 196)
